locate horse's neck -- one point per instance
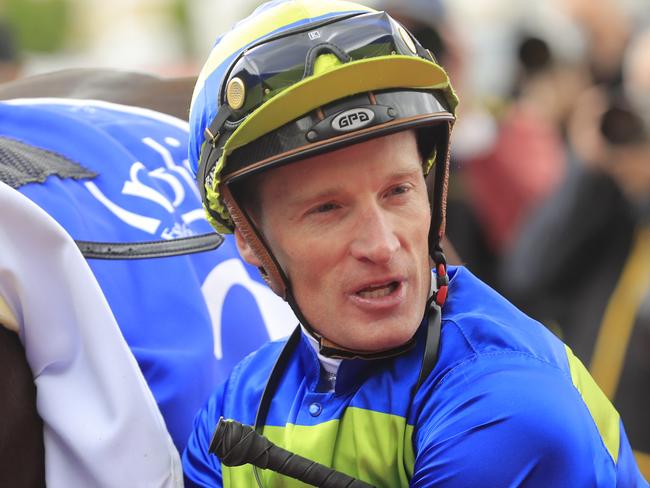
(168, 95)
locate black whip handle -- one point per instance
(236, 444)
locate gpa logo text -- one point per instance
(353, 119)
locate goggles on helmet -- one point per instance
(270, 67)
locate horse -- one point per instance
(105, 157)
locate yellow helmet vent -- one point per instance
(236, 93)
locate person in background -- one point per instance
(582, 263)
(499, 193)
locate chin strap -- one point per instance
(337, 352)
(434, 318)
(332, 350)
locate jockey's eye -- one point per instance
(324, 208)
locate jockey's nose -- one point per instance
(375, 239)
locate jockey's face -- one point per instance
(350, 228)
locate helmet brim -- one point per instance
(367, 75)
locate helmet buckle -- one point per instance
(212, 138)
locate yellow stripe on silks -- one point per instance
(602, 411)
(619, 318)
(265, 22)
(372, 446)
(7, 317)
(643, 461)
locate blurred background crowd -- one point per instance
(550, 200)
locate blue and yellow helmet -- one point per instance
(302, 77)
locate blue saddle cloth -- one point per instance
(115, 174)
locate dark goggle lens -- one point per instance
(280, 63)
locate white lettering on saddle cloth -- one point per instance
(177, 177)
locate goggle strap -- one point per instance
(213, 132)
(206, 152)
(322, 48)
(337, 352)
(211, 154)
(420, 50)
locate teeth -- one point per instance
(378, 292)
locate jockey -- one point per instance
(319, 131)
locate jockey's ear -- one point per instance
(245, 250)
